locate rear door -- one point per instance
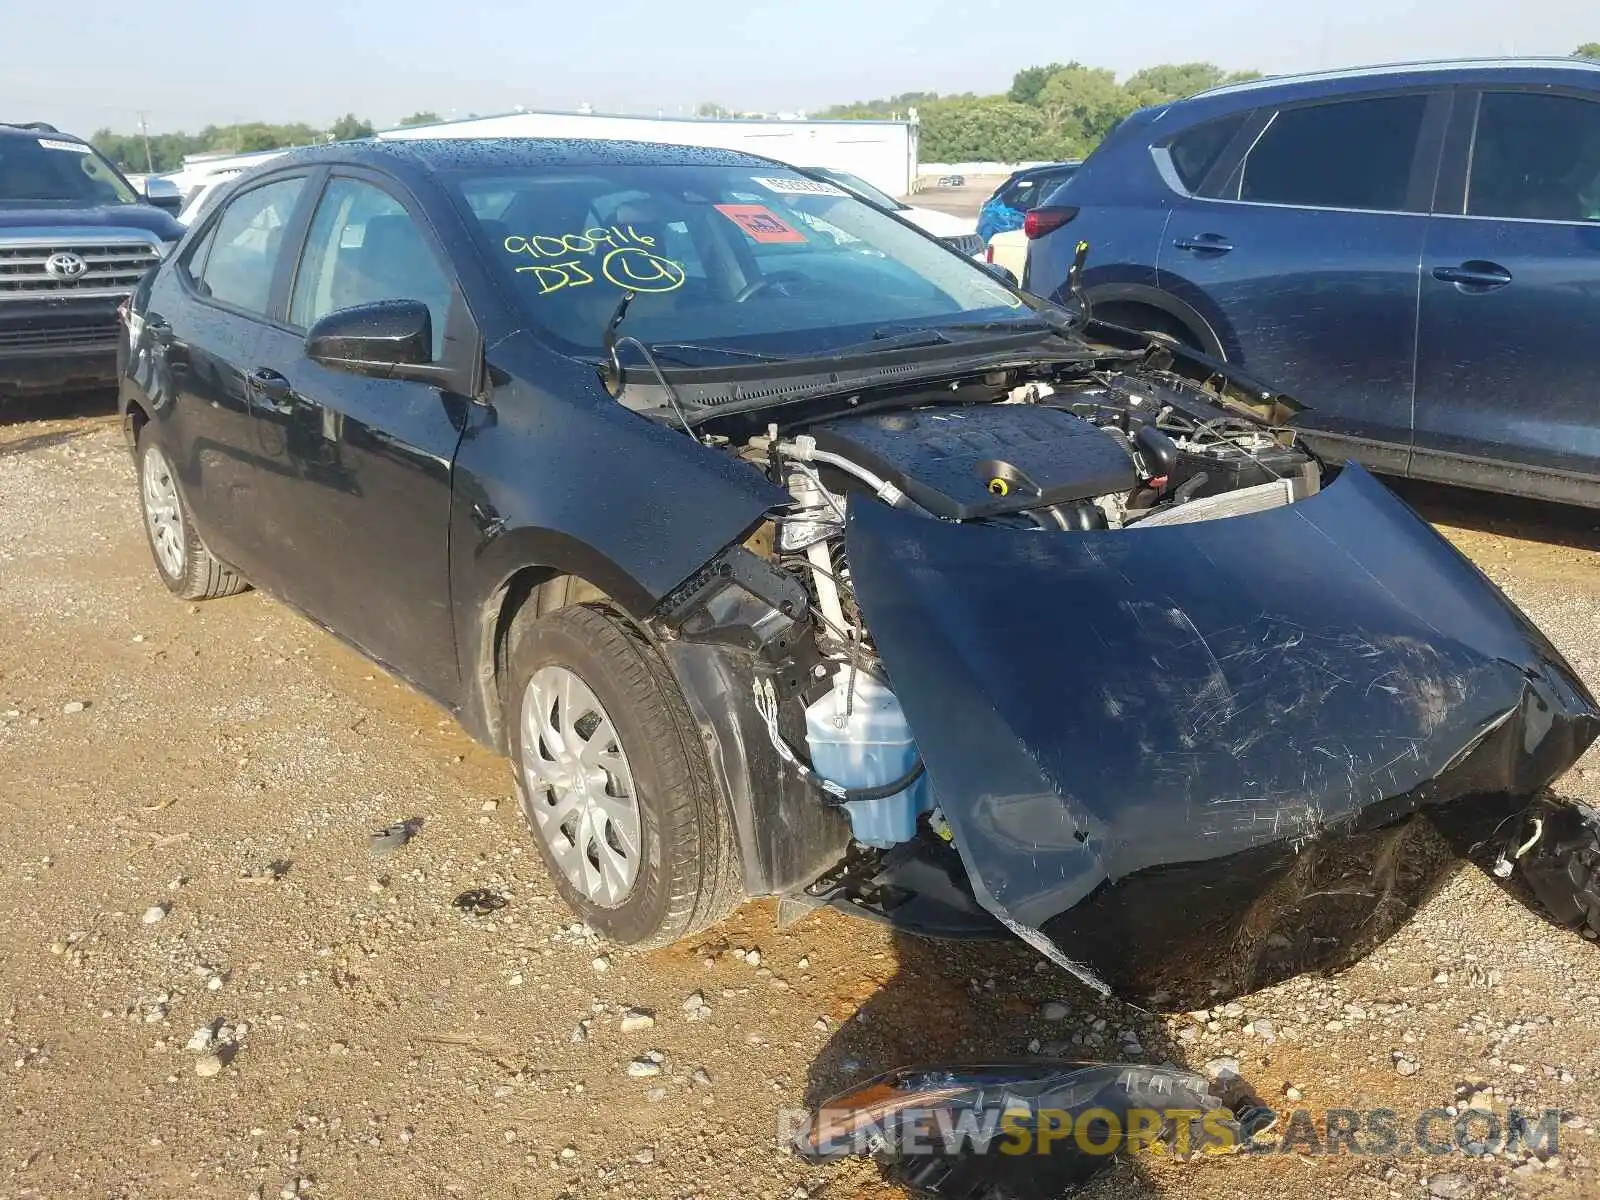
(1508, 364)
(357, 500)
(1303, 251)
(207, 335)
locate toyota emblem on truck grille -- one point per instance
(65, 265)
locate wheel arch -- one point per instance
(1207, 338)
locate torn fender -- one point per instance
(1093, 706)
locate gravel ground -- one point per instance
(212, 987)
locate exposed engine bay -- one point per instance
(1113, 452)
(1059, 649)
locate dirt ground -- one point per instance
(188, 793)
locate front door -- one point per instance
(360, 504)
(1305, 258)
(1508, 365)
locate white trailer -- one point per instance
(884, 153)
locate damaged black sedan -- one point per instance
(785, 551)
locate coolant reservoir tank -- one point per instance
(859, 738)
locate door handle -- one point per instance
(1204, 243)
(1474, 275)
(270, 384)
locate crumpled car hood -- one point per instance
(1091, 706)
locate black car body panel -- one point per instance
(1111, 716)
(1204, 690)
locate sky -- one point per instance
(188, 63)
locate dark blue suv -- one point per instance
(1412, 251)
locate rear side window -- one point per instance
(1348, 154)
(1195, 151)
(1032, 190)
(244, 244)
(1536, 157)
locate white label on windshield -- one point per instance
(800, 187)
(52, 144)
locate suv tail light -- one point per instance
(988, 254)
(1039, 221)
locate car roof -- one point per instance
(453, 154)
(1424, 71)
(32, 129)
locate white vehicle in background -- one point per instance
(200, 194)
(1009, 250)
(958, 232)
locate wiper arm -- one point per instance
(729, 351)
(890, 339)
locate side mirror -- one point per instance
(163, 193)
(1005, 273)
(392, 339)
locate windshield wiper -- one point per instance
(729, 351)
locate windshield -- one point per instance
(47, 170)
(861, 188)
(755, 258)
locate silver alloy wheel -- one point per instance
(580, 791)
(162, 515)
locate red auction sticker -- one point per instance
(761, 223)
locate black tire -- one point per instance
(687, 876)
(184, 563)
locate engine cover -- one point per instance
(966, 463)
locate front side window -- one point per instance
(756, 257)
(1347, 154)
(50, 171)
(364, 247)
(1536, 156)
(244, 244)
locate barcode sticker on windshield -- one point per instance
(53, 144)
(799, 187)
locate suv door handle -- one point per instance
(1204, 243)
(1474, 275)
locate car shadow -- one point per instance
(1505, 516)
(33, 423)
(989, 1002)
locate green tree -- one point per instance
(1587, 50)
(421, 118)
(1080, 105)
(349, 127)
(987, 128)
(1172, 81)
(1027, 83)
(710, 108)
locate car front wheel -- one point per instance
(613, 779)
(182, 560)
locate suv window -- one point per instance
(1029, 191)
(1347, 154)
(1195, 151)
(364, 247)
(1536, 156)
(57, 171)
(243, 246)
